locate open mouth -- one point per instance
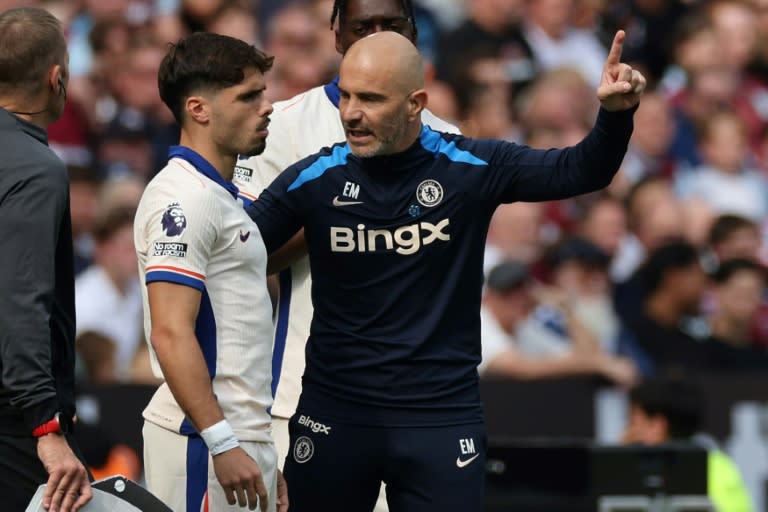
(358, 135)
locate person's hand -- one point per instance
(282, 493)
(68, 488)
(620, 86)
(241, 479)
(553, 297)
(619, 370)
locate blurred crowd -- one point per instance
(663, 271)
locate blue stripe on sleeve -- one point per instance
(434, 142)
(281, 332)
(337, 157)
(173, 277)
(205, 330)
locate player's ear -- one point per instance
(339, 45)
(198, 109)
(417, 102)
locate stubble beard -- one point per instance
(386, 145)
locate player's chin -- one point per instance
(364, 147)
(254, 149)
(365, 151)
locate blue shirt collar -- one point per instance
(332, 91)
(202, 166)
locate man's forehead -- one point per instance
(362, 81)
(364, 10)
(252, 77)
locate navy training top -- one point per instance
(396, 249)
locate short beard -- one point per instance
(255, 150)
(387, 145)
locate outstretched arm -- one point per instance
(526, 174)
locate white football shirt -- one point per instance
(191, 230)
(299, 127)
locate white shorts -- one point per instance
(179, 471)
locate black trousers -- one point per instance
(21, 471)
(332, 467)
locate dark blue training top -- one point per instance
(396, 253)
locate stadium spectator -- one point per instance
(509, 301)
(579, 269)
(604, 223)
(666, 410)
(662, 337)
(654, 216)
(648, 153)
(726, 182)
(108, 293)
(556, 43)
(516, 231)
(738, 293)
(489, 24)
(84, 186)
(732, 236)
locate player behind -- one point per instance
(206, 432)
(300, 127)
(395, 221)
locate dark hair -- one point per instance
(205, 61)
(580, 250)
(508, 275)
(674, 255)
(677, 400)
(634, 191)
(31, 42)
(727, 269)
(725, 225)
(340, 12)
(111, 221)
(83, 174)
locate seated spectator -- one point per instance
(667, 410)
(653, 216)
(725, 181)
(507, 304)
(556, 43)
(661, 336)
(648, 152)
(580, 269)
(490, 24)
(97, 354)
(108, 294)
(732, 236)
(84, 186)
(604, 223)
(122, 191)
(739, 287)
(516, 232)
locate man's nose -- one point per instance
(351, 111)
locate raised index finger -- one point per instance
(614, 56)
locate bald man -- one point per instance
(395, 220)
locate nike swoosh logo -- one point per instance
(244, 236)
(462, 463)
(339, 202)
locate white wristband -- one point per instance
(219, 437)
